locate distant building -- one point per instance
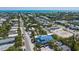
(53, 29)
(12, 34)
(74, 27)
(14, 28)
(42, 20)
(2, 19)
(60, 22)
(15, 20)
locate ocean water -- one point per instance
(39, 9)
(35, 11)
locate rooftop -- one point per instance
(43, 38)
(7, 40)
(4, 47)
(65, 48)
(46, 49)
(63, 34)
(12, 35)
(2, 19)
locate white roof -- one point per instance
(15, 19)
(0, 24)
(2, 19)
(46, 49)
(12, 35)
(13, 29)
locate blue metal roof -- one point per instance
(44, 39)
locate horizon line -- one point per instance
(39, 8)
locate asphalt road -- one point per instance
(28, 44)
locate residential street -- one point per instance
(27, 39)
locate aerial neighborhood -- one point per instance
(54, 31)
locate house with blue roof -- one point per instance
(42, 39)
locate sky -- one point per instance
(39, 8)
